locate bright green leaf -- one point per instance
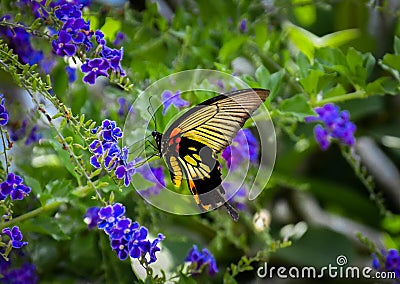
(297, 106)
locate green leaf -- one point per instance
(304, 64)
(305, 14)
(396, 45)
(391, 63)
(383, 86)
(262, 74)
(230, 47)
(33, 183)
(274, 83)
(338, 90)
(338, 38)
(301, 38)
(47, 225)
(297, 106)
(228, 279)
(310, 82)
(392, 224)
(260, 34)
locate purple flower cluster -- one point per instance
(15, 237)
(74, 32)
(154, 175)
(244, 147)
(19, 40)
(14, 187)
(336, 125)
(24, 274)
(391, 262)
(18, 131)
(127, 238)
(169, 98)
(107, 152)
(38, 7)
(200, 260)
(75, 36)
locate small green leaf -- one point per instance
(297, 106)
(274, 83)
(305, 14)
(262, 74)
(230, 47)
(391, 63)
(396, 45)
(383, 86)
(310, 83)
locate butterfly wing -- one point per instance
(215, 122)
(190, 144)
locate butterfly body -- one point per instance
(190, 145)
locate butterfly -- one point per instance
(191, 143)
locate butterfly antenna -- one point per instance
(152, 113)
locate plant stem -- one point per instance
(360, 94)
(48, 207)
(5, 150)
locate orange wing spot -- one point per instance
(175, 132)
(191, 184)
(177, 148)
(206, 207)
(178, 140)
(194, 191)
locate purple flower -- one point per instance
(119, 37)
(109, 216)
(154, 175)
(71, 72)
(68, 11)
(14, 187)
(15, 236)
(25, 274)
(96, 147)
(3, 112)
(336, 124)
(18, 133)
(33, 136)
(99, 37)
(123, 228)
(125, 172)
(201, 259)
(152, 247)
(243, 25)
(91, 217)
(114, 57)
(19, 40)
(391, 262)
(110, 132)
(120, 246)
(127, 238)
(244, 147)
(64, 45)
(169, 99)
(239, 199)
(94, 68)
(123, 107)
